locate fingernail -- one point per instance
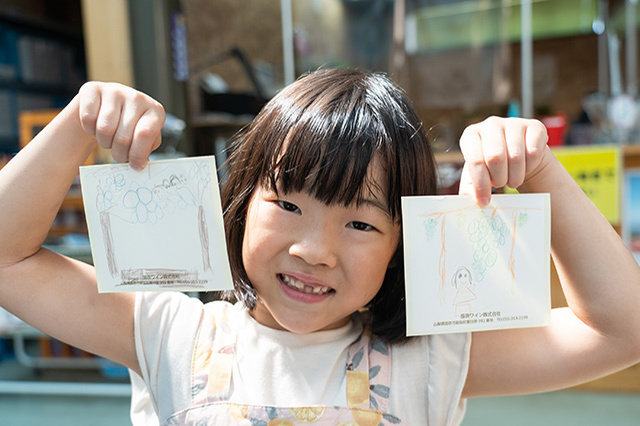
(483, 201)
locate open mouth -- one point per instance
(303, 287)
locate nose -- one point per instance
(316, 244)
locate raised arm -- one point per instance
(53, 293)
(598, 333)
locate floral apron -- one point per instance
(368, 375)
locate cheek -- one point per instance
(246, 258)
(374, 277)
(374, 291)
(249, 238)
(261, 241)
(246, 242)
(251, 243)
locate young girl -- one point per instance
(312, 216)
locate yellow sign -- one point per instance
(597, 169)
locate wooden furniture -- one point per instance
(108, 41)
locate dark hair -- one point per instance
(321, 133)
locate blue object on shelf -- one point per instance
(112, 370)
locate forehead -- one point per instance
(330, 178)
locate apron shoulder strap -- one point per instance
(369, 371)
(212, 363)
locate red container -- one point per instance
(556, 128)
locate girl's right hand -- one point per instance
(122, 119)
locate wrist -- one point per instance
(75, 142)
(545, 176)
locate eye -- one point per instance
(361, 226)
(290, 207)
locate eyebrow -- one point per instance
(374, 202)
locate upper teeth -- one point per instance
(306, 288)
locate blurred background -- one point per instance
(214, 63)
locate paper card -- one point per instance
(156, 229)
(471, 268)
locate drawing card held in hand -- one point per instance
(472, 268)
(156, 229)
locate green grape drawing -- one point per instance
(430, 228)
(487, 234)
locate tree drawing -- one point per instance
(487, 232)
(164, 192)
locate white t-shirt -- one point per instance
(279, 368)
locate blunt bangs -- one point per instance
(330, 163)
(330, 135)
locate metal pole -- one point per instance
(603, 46)
(526, 59)
(287, 41)
(398, 54)
(631, 48)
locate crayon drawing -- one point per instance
(157, 229)
(470, 267)
(464, 285)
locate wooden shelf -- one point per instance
(449, 157)
(73, 201)
(214, 119)
(631, 156)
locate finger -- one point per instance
(108, 118)
(477, 180)
(516, 153)
(89, 97)
(466, 183)
(123, 137)
(147, 136)
(495, 151)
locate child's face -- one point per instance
(313, 265)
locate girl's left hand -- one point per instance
(499, 152)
